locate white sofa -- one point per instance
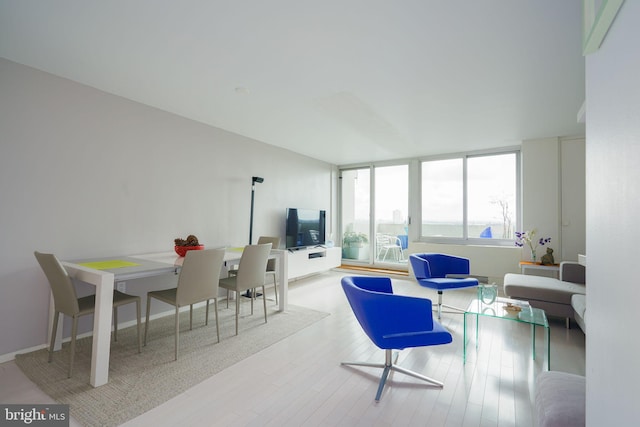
(579, 304)
(554, 296)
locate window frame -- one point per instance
(372, 166)
(465, 239)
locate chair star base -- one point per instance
(438, 307)
(390, 365)
(456, 310)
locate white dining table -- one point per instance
(112, 270)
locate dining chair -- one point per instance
(251, 275)
(392, 322)
(197, 282)
(271, 263)
(67, 302)
(386, 243)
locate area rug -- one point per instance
(140, 382)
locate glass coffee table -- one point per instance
(527, 314)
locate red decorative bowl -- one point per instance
(182, 250)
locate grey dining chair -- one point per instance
(67, 302)
(197, 282)
(251, 275)
(271, 263)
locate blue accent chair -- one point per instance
(392, 322)
(442, 272)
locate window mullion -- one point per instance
(465, 228)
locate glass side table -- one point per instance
(530, 315)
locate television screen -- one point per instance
(305, 227)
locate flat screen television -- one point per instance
(305, 227)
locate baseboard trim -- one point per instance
(374, 270)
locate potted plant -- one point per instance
(354, 245)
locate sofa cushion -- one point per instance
(573, 272)
(540, 288)
(560, 399)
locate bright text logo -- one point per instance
(37, 415)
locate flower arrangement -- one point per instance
(529, 238)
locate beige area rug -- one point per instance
(140, 382)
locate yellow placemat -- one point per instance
(109, 264)
(236, 249)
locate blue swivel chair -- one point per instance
(443, 273)
(392, 322)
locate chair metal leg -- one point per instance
(146, 320)
(389, 361)
(72, 350)
(215, 307)
(56, 316)
(138, 321)
(206, 315)
(190, 317)
(237, 310)
(115, 323)
(177, 331)
(390, 365)
(264, 304)
(417, 375)
(383, 381)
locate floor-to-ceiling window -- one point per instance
(374, 214)
(391, 190)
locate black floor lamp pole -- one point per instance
(253, 191)
(259, 180)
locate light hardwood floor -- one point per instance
(299, 381)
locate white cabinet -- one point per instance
(303, 262)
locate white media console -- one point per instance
(303, 262)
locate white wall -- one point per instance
(84, 173)
(553, 192)
(540, 191)
(613, 203)
(573, 196)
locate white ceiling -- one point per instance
(344, 81)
